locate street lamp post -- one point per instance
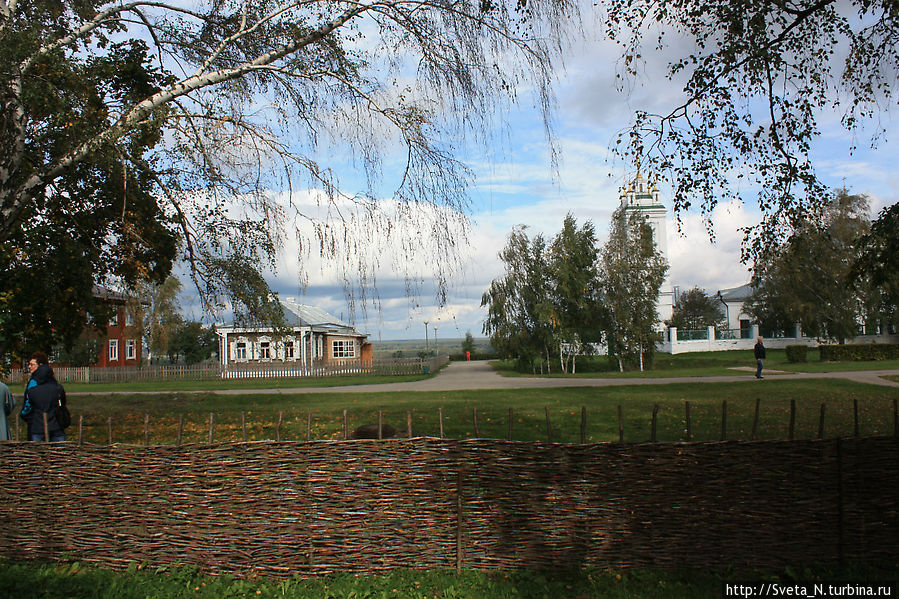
(436, 351)
(427, 349)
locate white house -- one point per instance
(313, 338)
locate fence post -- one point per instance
(278, 427)
(655, 414)
(583, 424)
(840, 515)
(80, 429)
(211, 426)
(689, 423)
(46, 429)
(309, 425)
(792, 419)
(346, 428)
(549, 427)
(755, 419)
(180, 428)
(146, 429)
(408, 424)
(477, 429)
(459, 523)
(440, 417)
(821, 423)
(109, 428)
(620, 425)
(380, 425)
(511, 416)
(243, 425)
(724, 420)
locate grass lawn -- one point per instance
(701, 364)
(530, 407)
(262, 383)
(73, 581)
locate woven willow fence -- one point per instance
(307, 508)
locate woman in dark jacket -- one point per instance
(42, 395)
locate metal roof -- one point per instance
(736, 294)
(298, 314)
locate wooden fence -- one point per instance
(309, 508)
(211, 372)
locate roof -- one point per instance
(107, 294)
(736, 294)
(298, 314)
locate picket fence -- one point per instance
(211, 372)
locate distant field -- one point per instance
(410, 347)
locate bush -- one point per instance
(868, 351)
(474, 356)
(797, 353)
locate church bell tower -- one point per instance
(642, 197)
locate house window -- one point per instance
(130, 349)
(343, 348)
(240, 351)
(129, 319)
(265, 351)
(114, 319)
(113, 350)
(288, 350)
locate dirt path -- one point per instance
(479, 375)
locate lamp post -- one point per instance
(427, 350)
(436, 351)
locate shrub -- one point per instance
(797, 353)
(474, 356)
(867, 351)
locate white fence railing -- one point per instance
(209, 372)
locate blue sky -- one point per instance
(516, 185)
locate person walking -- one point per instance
(9, 404)
(42, 395)
(759, 356)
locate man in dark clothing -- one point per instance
(42, 395)
(759, 356)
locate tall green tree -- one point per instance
(519, 304)
(695, 309)
(875, 272)
(573, 271)
(807, 279)
(192, 342)
(756, 78)
(156, 310)
(134, 134)
(468, 342)
(632, 271)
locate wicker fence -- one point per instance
(307, 508)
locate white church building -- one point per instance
(642, 197)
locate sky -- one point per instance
(518, 186)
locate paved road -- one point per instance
(479, 375)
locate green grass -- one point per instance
(261, 383)
(876, 416)
(75, 581)
(699, 364)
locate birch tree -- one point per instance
(139, 133)
(759, 79)
(632, 273)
